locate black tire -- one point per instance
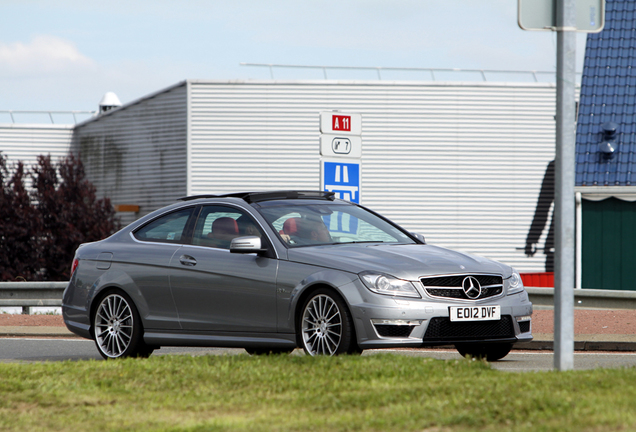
(325, 325)
(117, 328)
(490, 351)
(268, 351)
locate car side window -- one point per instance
(166, 229)
(218, 225)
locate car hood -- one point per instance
(402, 261)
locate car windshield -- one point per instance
(311, 224)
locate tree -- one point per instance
(69, 212)
(20, 256)
(40, 230)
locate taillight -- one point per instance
(74, 266)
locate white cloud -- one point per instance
(43, 55)
(49, 72)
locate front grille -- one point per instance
(442, 329)
(451, 286)
(524, 326)
(395, 331)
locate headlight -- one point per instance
(388, 285)
(515, 284)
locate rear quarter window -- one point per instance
(166, 229)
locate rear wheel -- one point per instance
(326, 326)
(491, 352)
(117, 328)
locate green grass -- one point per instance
(301, 393)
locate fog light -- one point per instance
(396, 322)
(524, 318)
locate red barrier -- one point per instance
(545, 279)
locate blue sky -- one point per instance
(65, 55)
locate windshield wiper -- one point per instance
(339, 243)
(355, 242)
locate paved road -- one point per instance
(26, 350)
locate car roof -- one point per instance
(253, 197)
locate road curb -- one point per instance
(583, 342)
(548, 345)
(36, 331)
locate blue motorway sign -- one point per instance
(343, 178)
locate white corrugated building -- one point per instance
(25, 142)
(461, 163)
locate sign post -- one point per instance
(341, 150)
(565, 17)
(564, 215)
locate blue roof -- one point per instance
(608, 94)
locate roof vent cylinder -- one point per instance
(608, 146)
(109, 101)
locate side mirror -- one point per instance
(246, 245)
(419, 236)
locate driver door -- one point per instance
(219, 291)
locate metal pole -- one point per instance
(579, 241)
(564, 188)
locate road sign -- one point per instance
(336, 122)
(341, 146)
(341, 143)
(541, 15)
(341, 177)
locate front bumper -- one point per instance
(391, 322)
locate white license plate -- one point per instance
(475, 313)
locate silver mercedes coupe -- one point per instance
(273, 271)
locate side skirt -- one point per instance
(261, 340)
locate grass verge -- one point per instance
(300, 393)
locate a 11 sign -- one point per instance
(341, 123)
(335, 122)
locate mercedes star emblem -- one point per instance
(471, 287)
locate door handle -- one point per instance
(187, 260)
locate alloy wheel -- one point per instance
(114, 325)
(322, 326)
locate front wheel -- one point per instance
(326, 326)
(117, 328)
(491, 352)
